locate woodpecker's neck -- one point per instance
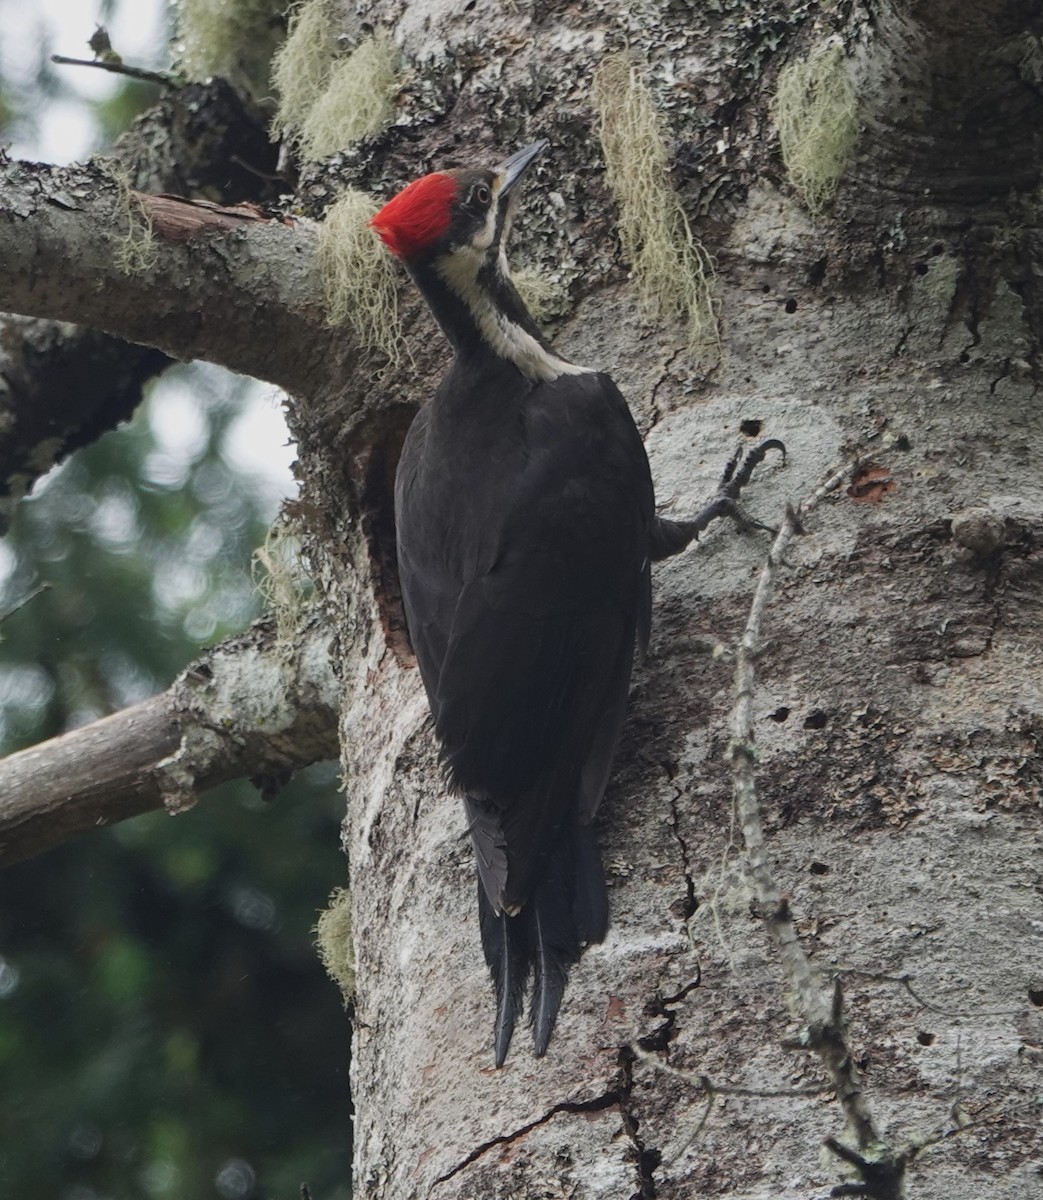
(481, 313)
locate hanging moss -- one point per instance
(282, 581)
(231, 38)
(356, 101)
(359, 279)
(674, 273)
(135, 251)
(301, 66)
(543, 297)
(814, 110)
(335, 945)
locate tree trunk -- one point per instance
(832, 930)
(898, 710)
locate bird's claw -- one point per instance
(670, 537)
(739, 469)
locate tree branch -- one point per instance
(61, 386)
(254, 706)
(118, 67)
(247, 298)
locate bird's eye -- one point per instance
(482, 195)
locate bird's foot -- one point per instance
(670, 537)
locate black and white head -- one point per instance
(450, 229)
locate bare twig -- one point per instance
(906, 981)
(1004, 1117)
(881, 1169)
(712, 1090)
(882, 1175)
(704, 1083)
(163, 78)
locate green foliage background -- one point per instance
(165, 1027)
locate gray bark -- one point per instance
(258, 705)
(897, 710)
(897, 713)
(62, 386)
(245, 295)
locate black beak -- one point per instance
(513, 168)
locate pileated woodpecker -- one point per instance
(526, 524)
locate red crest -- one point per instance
(417, 216)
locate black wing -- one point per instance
(524, 569)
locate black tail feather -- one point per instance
(554, 950)
(568, 908)
(507, 955)
(589, 897)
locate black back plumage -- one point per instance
(523, 511)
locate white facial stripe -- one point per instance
(460, 271)
(532, 359)
(508, 340)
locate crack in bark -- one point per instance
(662, 1006)
(597, 1104)
(1006, 371)
(1028, 293)
(646, 1158)
(664, 374)
(691, 904)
